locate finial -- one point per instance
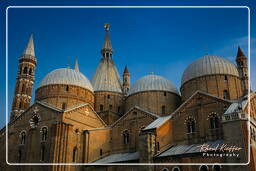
(206, 50)
(106, 26)
(76, 65)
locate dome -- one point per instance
(209, 65)
(152, 82)
(66, 76)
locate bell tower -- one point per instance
(24, 80)
(126, 80)
(241, 61)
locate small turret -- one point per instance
(242, 67)
(107, 50)
(76, 65)
(126, 80)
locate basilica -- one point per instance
(105, 123)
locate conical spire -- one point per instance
(107, 49)
(76, 65)
(126, 70)
(30, 47)
(239, 52)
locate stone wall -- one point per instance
(71, 96)
(213, 84)
(154, 101)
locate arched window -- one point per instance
(101, 107)
(165, 93)
(108, 96)
(214, 121)
(126, 137)
(216, 168)
(67, 88)
(42, 153)
(163, 109)
(30, 71)
(190, 125)
(165, 169)
(74, 154)
(25, 70)
(118, 109)
(64, 106)
(225, 94)
(22, 137)
(44, 133)
(203, 168)
(176, 169)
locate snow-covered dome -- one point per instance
(152, 82)
(209, 65)
(66, 76)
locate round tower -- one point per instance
(25, 80)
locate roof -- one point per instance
(236, 106)
(152, 82)
(120, 157)
(106, 77)
(209, 65)
(239, 52)
(126, 70)
(29, 50)
(158, 122)
(66, 76)
(187, 149)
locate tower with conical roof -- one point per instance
(126, 80)
(25, 80)
(107, 84)
(241, 61)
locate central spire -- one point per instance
(107, 49)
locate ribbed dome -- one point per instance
(68, 77)
(209, 65)
(152, 82)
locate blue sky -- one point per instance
(163, 41)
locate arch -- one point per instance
(30, 71)
(67, 88)
(44, 133)
(216, 167)
(203, 168)
(101, 152)
(23, 137)
(125, 136)
(191, 124)
(214, 121)
(176, 168)
(110, 107)
(25, 70)
(165, 169)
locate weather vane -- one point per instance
(106, 27)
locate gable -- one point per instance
(83, 116)
(129, 115)
(201, 99)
